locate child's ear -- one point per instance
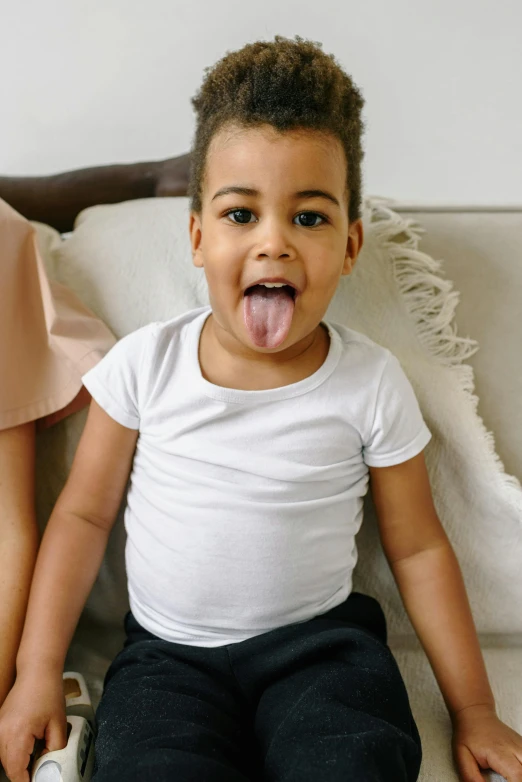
(353, 245)
(195, 239)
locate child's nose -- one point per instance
(274, 241)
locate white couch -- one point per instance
(482, 251)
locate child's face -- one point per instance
(264, 215)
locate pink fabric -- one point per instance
(48, 339)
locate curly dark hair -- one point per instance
(288, 84)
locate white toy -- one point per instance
(75, 762)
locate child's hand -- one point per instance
(482, 741)
(34, 709)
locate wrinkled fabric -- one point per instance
(48, 339)
(244, 505)
(319, 700)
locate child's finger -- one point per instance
(17, 757)
(56, 734)
(467, 765)
(23, 777)
(510, 768)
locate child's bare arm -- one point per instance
(18, 542)
(70, 556)
(429, 579)
(431, 585)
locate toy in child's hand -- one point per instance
(492, 776)
(75, 762)
(77, 699)
(72, 764)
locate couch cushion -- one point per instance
(504, 667)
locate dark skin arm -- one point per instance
(58, 199)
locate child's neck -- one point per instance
(222, 368)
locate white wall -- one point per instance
(85, 83)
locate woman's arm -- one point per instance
(432, 588)
(57, 200)
(75, 539)
(68, 562)
(18, 542)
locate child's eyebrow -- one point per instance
(249, 191)
(318, 194)
(246, 191)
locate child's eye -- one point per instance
(309, 219)
(241, 216)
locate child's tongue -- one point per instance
(267, 313)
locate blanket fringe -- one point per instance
(432, 301)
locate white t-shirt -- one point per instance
(243, 506)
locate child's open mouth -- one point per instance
(268, 313)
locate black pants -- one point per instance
(319, 701)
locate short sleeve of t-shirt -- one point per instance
(398, 431)
(116, 382)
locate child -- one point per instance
(250, 429)
(48, 339)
